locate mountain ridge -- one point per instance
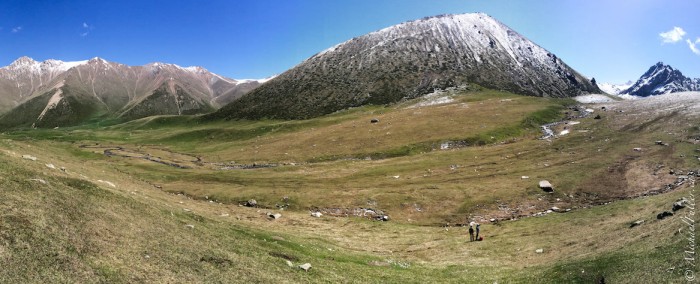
(109, 90)
(409, 60)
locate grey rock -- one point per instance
(636, 223)
(29, 157)
(305, 266)
(251, 203)
(680, 204)
(546, 186)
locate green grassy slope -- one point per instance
(124, 219)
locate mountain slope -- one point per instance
(409, 60)
(70, 93)
(662, 79)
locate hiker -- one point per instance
(477, 231)
(471, 233)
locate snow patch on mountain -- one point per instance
(261, 81)
(438, 97)
(477, 32)
(28, 65)
(614, 89)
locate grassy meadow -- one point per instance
(134, 217)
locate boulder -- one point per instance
(251, 203)
(29, 157)
(546, 186)
(316, 214)
(663, 215)
(539, 250)
(637, 149)
(274, 216)
(374, 120)
(39, 180)
(636, 223)
(305, 266)
(680, 204)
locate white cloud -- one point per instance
(693, 46)
(86, 29)
(16, 29)
(672, 36)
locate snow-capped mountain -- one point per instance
(614, 89)
(56, 93)
(410, 60)
(662, 79)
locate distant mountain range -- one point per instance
(56, 93)
(407, 61)
(614, 89)
(659, 79)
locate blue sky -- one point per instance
(613, 41)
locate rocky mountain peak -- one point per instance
(662, 79)
(23, 61)
(409, 60)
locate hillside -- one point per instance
(56, 93)
(410, 60)
(159, 199)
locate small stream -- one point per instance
(548, 133)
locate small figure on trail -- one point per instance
(477, 231)
(471, 231)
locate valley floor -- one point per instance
(160, 199)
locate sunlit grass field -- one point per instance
(129, 219)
